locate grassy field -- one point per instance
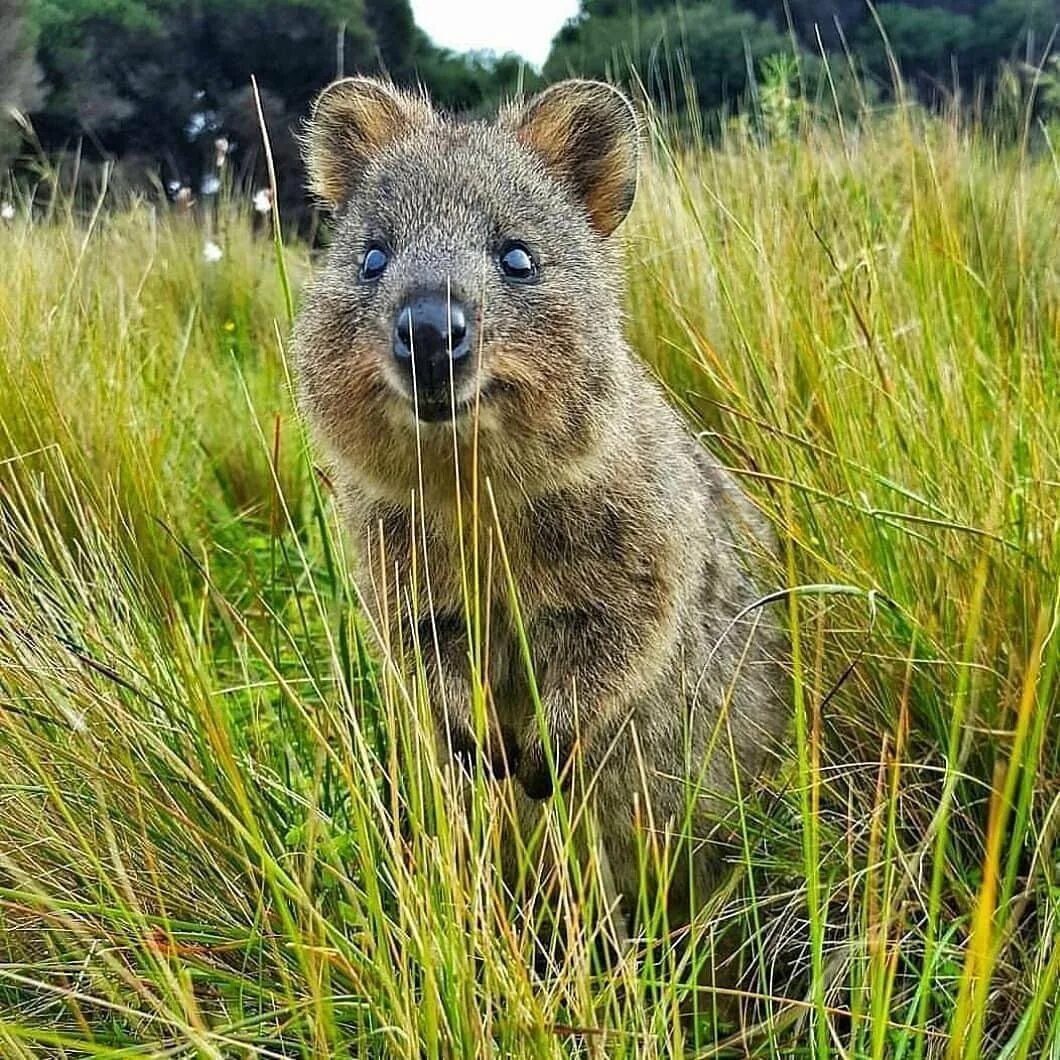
(223, 833)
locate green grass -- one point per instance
(224, 834)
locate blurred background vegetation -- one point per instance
(160, 89)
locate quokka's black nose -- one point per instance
(431, 330)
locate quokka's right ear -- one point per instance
(351, 121)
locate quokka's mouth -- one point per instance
(442, 409)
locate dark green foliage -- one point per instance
(19, 73)
(719, 45)
(935, 46)
(155, 83)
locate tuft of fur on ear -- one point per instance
(351, 121)
(586, 131)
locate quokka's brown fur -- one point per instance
(633, 553)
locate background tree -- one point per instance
(708, 48)
(719, 45)
(938, 49)
(20, 77)
(155, 84)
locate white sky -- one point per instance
(522, 26)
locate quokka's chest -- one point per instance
(546, 555)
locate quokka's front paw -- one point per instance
(533, 772)
(501, 755)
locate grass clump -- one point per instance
(224, 833)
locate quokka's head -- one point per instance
(471, 274)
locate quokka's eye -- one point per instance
(517, 263)
(375, 261)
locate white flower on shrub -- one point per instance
(263, 200)
(210, 185)
(7, 211)
(211, 252)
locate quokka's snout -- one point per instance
(432, 345)
(474, 261)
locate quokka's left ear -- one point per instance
(586, 131)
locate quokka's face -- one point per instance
(459, 283)
(469, 275)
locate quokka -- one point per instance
(466, 327)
